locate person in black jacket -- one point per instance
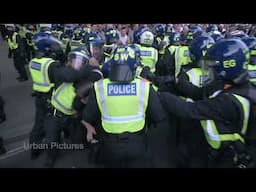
(127, 148)
(16, 51)
(225, 114)
(47, 69)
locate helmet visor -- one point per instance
(208, 68)
(77, 60)
(96, 51)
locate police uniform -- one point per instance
(72, 44)
(252, 73)
(182, 59)
(125, 110)
(191, 136)
(172, 48)
(61, 116)
(165, 64)
(16, 49)
(30, 51)
(65, 40)
(56, 33)
(22, 32)
(149, 56)
(224, 118)
(45, 72)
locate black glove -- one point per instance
(169, 79)
(244, 160)
(213, 86)
(145, 72)
(151, 77)
(86, 70)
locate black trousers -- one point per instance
(19, 64)
(192, 148)
(54, 125)
(125, 151)
(38, 132)
(30, 53)
(161, 145)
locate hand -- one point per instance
(145, 72)
(90, 131)
(93, 62)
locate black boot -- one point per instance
(51, 156)
(23, 79)
(35, 153)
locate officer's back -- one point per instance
(126, 106)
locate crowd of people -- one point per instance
(141, 95)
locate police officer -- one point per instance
(160, 40)
(45, 28)
(182, 57)
(77, 39)
(95, 47)
(57, 30)
(30, 52)
(166, 61)
(190, 84)
(21, 29)
(190, 81)
(148, 53)
(83, 88)
(175, 41)
(123, 130)
(16, 50)
(112, 40)
(224, 116)
(212, 28)
(65, 38)
(46, 69)
(61, 116)
(251, 44)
